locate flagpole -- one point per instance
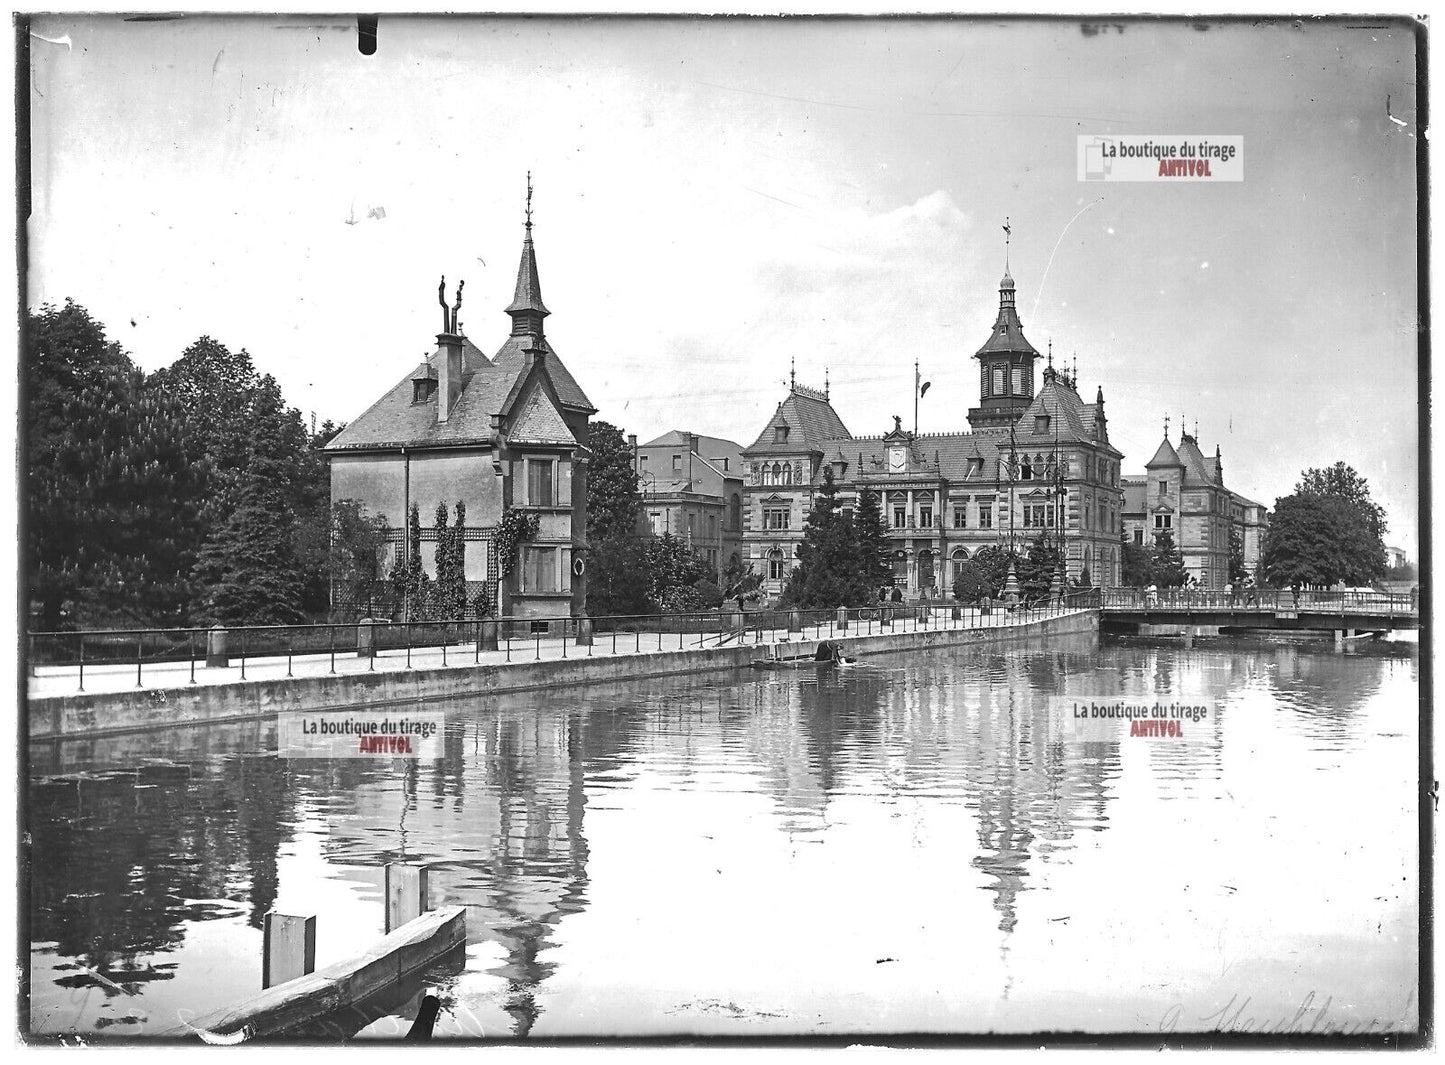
(916, 379)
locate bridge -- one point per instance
(1343, 613)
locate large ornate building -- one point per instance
(509, 432)
(1037, 462)
(1182, 492)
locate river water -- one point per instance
(921, 843)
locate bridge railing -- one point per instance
(1261, 600)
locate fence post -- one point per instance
(191, 641)
(290, 642)
(243, 653)
(82, 661)
(331, 636)
(138, 650)
(288, 948)
(216, 650)
(407, 625)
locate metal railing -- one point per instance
(184, 652)
(1261, 600)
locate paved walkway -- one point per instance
(51, 680)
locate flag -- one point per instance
(376, 212)
(924, 390)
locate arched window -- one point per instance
(958, 557)
(787, 473)
(1026, 471)
(900, 567)
(775, 564)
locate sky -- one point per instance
(715, 198)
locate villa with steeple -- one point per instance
(503, 433)
(1035, 461)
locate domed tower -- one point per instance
(1006, 366)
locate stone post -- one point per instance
(489, 635)
(842, 619)
(366, 638)
(584, 632)
(216, 647)
(406, 894)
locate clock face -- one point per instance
(896, 460)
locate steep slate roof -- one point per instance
(395, 420)
(1136, 492)
(538, 421)
(1193, 460)
(1165, 456)
(510, 357)
(811, 420)
(1008, 332)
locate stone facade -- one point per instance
(499, 433)
(1035, 463)
(1183, 493)
(692, 487)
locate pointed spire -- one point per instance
(527, 309)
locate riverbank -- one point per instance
(175, 702)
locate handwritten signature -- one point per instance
(1307, 1019)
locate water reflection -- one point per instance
(136, 859)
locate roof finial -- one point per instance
(529, 205)
(1051, 353)
(826, 386)
(1074, 376)
(1166, 426)
(1007, 237)
(1196, 430)
(792, 374)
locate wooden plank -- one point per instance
(293, 1005)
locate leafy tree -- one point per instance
(449, 595)
(111, 488)
(1166, 562)
(359, 546)
(1340, 481)
(832, 567)
(741, 582)
(1036, 569)
(1137, 565)
(1238, 574)
(617, 581)
(671, 565)
(247, 568)
(985, 574)
(1320, 540)
(613, 501)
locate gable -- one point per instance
(539, 421)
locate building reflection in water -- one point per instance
(123, 855)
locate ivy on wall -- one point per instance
(515, 528)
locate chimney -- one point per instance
(449, 374)
(692, 442)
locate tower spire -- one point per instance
(527, 309)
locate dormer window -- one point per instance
(1041, 424)
(975, 467)
(423, 390)
(780, 434)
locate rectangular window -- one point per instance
(541, 569)
(539, 482)
(677, 462)
(1163, 521)
(960, 516)
(1086, 516)
(1138, 536)
(776, 517)
(1038, 516)
(1163, 489)
(985, 515)
(1018, 380)
(655, 519)
(900, 518)
(1041, 424)
(998, 380)
(925, 517)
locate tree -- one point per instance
(617, 581)
(1238, 574)
(111, 488)
(872, 533)
(410, 585)
(449, 595)
(1166, 562)
(1320, 540)
(613, 501)
(359, 546)
(1136, 565)
(247, 568)
(831, 569)
(1036, 569)
(983, 575)
(670, 566)
(1340, 481)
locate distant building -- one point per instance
(1183, 493)
(509, 432)
(1036, 464)
(1395, 556)
(692, 487)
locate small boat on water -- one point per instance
(827, 654)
